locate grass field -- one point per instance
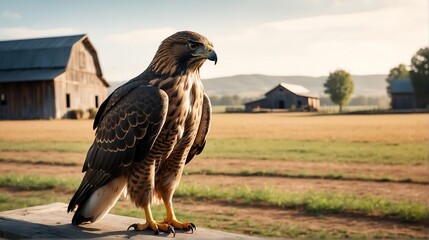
(295, 175)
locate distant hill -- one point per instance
(256, 85)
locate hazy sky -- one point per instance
(288, 37)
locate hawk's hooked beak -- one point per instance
(211, 54)
(206, 52)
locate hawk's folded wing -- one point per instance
(130, 121)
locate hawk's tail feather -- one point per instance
(96, 204)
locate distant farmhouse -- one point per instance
(285, 96)
(402, 93)
(48, 77)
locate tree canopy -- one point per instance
(339, 86)
(419, 73)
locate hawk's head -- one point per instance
(182, 52)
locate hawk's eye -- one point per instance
(191, 45)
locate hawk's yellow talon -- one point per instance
(156, 227)
(188, 226)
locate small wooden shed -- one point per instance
(286, 96)
(403, 97)
(47, 78)
(402, 93)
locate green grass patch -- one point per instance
(44, 146)
(318, 151)
(313, 202)
(36, 182)
(9, 201)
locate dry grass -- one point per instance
(47, 130)
(388, 128)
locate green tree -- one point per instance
(419, 73)
(339, 86)
(397, 73)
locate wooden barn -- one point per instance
(402, 94)
(48, 78)
(286, 97)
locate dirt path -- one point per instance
(388, 190)
(42, 169)
(398, 172)
(59, 158)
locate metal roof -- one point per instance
(401, 86)
(35, 59)
(296, 89)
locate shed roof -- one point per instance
(401, 86)
(37, 59)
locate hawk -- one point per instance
(147, 130)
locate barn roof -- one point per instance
(401, 86)
(296, 89)
(37, 59)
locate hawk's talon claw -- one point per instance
(171, 229)
(193, 226)
(132, 226)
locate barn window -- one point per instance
(82, 63)
(96, 101)
(3, 100)
(68, 100)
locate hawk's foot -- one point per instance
(188, 226)
(155, 226)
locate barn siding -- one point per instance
(403, 101)
(28, 100)
(249, 107)
(80, 81)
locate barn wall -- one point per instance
(27, 100)
(249, 107)
(314, 103)
(80, 81)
